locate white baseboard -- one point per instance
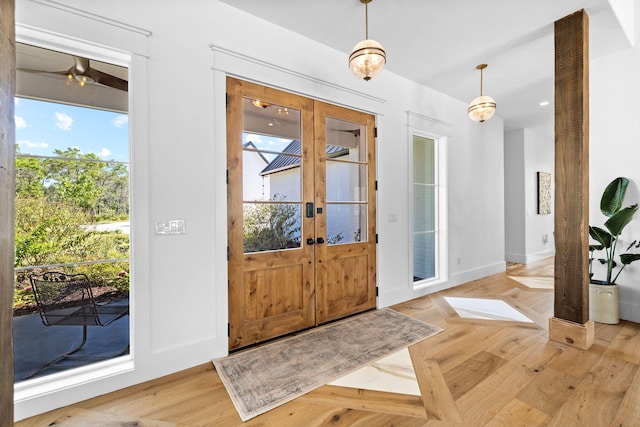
(476, 273)
(529, 258)
(397, 296)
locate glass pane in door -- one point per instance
(346, 188)
(346, 182)
(346, 223)
(272, 176)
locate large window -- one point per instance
(72, 210)
(425, 204)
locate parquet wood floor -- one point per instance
(476, 373)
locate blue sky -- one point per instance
(264, 142)
(42, 127)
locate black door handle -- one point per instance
(310, 241)
(320, 240)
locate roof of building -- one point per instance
(290, 157)
(251, 147)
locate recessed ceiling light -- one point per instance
(544, 103)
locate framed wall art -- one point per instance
(544, 193)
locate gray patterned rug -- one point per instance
(262, 378)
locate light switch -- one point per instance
(170, 226)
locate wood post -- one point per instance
(571, 303)
(7, 203)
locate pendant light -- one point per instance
(368, 57)
(483, 107)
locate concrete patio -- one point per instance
(35, 344)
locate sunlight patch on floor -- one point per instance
(534, 282)
(489, 309)
(392, 374)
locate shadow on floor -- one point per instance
(35, 344)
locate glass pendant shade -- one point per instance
(367, 59)
(482, 108)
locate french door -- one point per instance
(301, 212)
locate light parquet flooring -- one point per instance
(477, 372)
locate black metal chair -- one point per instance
(68, 300)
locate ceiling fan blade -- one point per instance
(29, 70)
(108, 79)
(355, 132)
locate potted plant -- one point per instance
(603, 294)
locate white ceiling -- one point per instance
(438, 43)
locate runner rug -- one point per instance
(262, 378)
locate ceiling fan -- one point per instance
(83, 73)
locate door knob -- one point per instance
(320, 240)
(310, 241)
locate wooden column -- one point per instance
(7, 203)
(571, 324)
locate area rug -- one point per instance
(262, 378)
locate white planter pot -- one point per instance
(604, 306)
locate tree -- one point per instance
(114, 198)
(72, 181)
(83, 180)
(49, 233)
(271, 226)
(30, 176)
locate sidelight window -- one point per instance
(425, 213)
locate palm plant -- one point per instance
(619, 217)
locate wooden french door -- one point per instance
(301, 212)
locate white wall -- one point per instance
(514, 197)
(527, 153)
(539, 157)
(615, 150)
(177, 117)
(254, 186)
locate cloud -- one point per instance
(252, 138)
(20, 122)
(105, 152)
(31, 144)
(63, 121)
(121, 120)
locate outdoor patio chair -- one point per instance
(68, 300)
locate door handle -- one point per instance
(309, 209)
(310, 241)
(320, 240)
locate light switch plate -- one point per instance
(170, 227)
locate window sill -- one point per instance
(37, 387)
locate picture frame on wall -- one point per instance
(544, 193)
